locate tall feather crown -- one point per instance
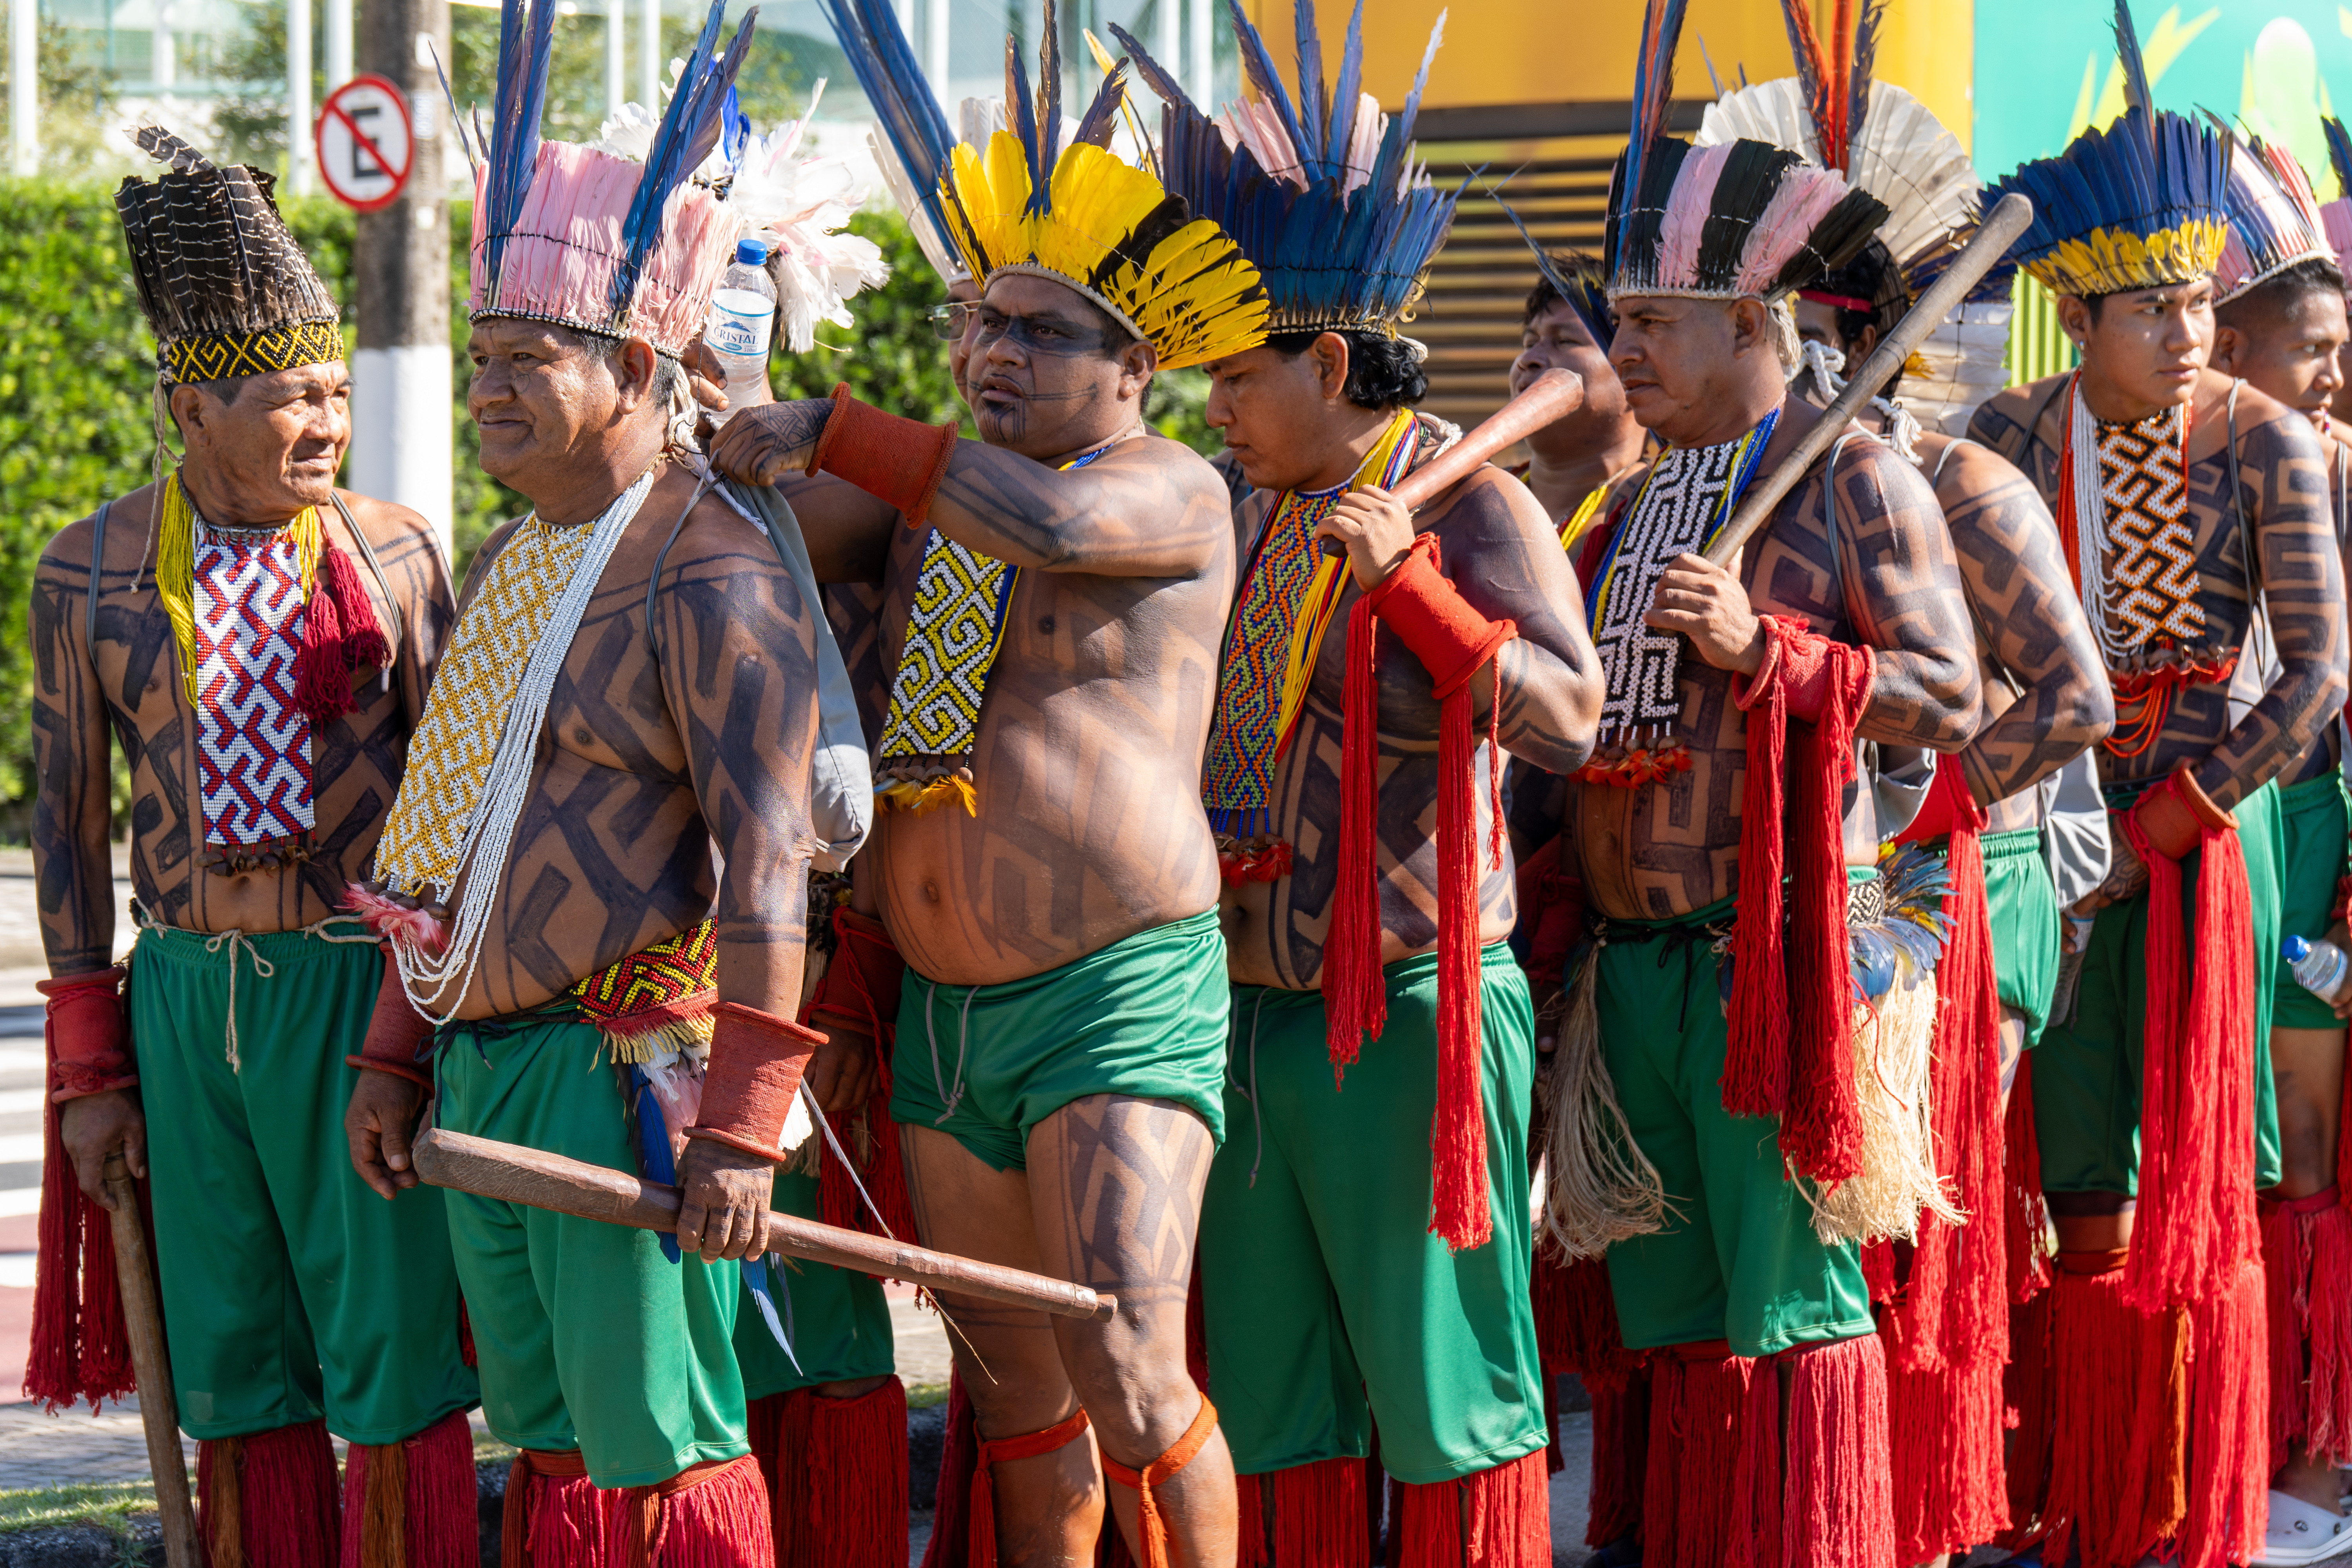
(2274, 221)
(2136, 205)
(1321, 192)
(221, 282)
(591, 239)
(1075, 211)
(1834, 113)
(1738, 219)
(2335, 218)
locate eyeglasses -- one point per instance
(950, 321)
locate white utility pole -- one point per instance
(163, 54)
(1203, 85)
(300, 155)
(1169, 44)
(339, 42)
(935, 47)
(651, 67)
(24, 88)
(616, 56)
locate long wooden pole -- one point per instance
(1993, 238)
(158, 1411)
(514, 1174)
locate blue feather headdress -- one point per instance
(1321, 192)
(2273, 220)
(2138, 205)
(2335, 218)
(547, 214)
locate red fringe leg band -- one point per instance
(2118, 1420)
(1698, 1400)
(2307, 1262)
(2228, 1461)
(411, 1504)
(713, 1515)
(1838, 1508)
(267, 1501)
(951, 1542)
(1151, 1526)
(857, 1478)
(553, 1515)
(1499, 1518)
(1620, 1439)
(981, 1522)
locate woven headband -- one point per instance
(214, 356)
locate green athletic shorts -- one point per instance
(587, 1336)
(1742, 1263)
(290, 1290)
(2088, 1070)
(2312, 831)
(2023, 905)
(1331, 1308)
(1145, 1016)
(836, 1319)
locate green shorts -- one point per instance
(1329, 1307)
(290, 1290)
(1145, 1016)
(836, 1321)
(1741, 1262)
(2088, 1070)
(588, 1337)
(2312, 835)
(2023, 905)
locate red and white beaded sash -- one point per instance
(253, 742)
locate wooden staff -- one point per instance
(1992, 242)
(158, 1411)
(1555, 395)
(513, 1173)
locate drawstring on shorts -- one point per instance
(964, 1045)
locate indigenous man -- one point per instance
(259, 642)
(604, 833)
(1577, 464)
(2045, 699)
(2177, 491)
(1042, 867)
(1734, 1260)
(2279, 325)
(1345, 1284)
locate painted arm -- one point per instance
(73, 871)
(2023, 600)
(1903, 593)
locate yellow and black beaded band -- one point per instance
(216, 355)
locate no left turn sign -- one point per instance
(365, 143)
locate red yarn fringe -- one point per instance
(883, 1172)
(1620, 1439)
(2195, 1223)
(2118, 1421)
(951, 1542)
(1949, 1467)
(2307, 1266)
(705, 1517)
(1576, 1322)
(1318, 1519)
(1249, 1517)
(1791, 1053)
(2227, 1468)
(554, 1516)
(1499, 1518)
(1698, 1403)
(339, 635)
(2025, 1211)
(1838, 1510)
(267, 1501)
(1457, 1138)
(2030, 1394)
(81, 1345)
(411, 1504)
(1355, 996)
(857, 1478)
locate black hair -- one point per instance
(1382, 372)
(1872, 275)
(2275, 296)
(1584, 273)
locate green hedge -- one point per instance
(76, 370)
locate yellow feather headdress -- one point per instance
(1082, 217)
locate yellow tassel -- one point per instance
(637, 1047)
(920, 797)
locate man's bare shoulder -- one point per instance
(1970, 468)
(2267, 430)
(1192, 475)
(1486, 501)
(2005, 421)
(70, 546)
(387, 523)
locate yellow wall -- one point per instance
(1537, 51)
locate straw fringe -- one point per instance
(1599, 1188)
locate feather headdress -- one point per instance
(1040, 202)
(1322, 192)
(221, 282)
(2274, 220)
(1888, 142)
(1738, 219)
(2136, 205)
(589, 238)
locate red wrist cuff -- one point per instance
(87, 1033)
(399, 1037)
(756, 1062)
(860, 987)
(1798, 658)
(394, 1068)
(2176, 815)
(1430, 616)
(898, 461)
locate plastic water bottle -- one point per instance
(2319, 966)
(742, 317)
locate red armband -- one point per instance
(756, 1062)
(88, 1034)
(1433, 619)
(2176, 815)
(859, 989)
(897, 460)
(1797, 656)
(399, 1038)
(2342, 907)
